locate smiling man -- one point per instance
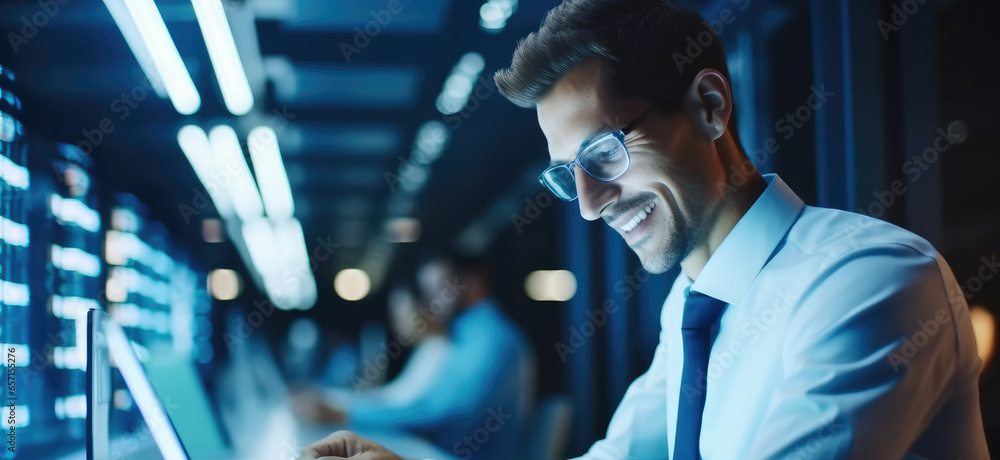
(792, 331)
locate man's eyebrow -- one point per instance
(593, 136)
(605, 129)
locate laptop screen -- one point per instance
(124, 409)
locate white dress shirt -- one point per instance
(845, 338)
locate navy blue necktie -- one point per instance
(701, 312)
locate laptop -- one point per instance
(177, 420)
(107, 344)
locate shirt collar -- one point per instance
(743, 253)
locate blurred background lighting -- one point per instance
(493, 15)
(197, 149)
(212, 231)
(402, 230)
(224, 284)
(144, 17)
(550, 285)
(352, 284)
(238, 181)
(271, 177)
(225, 59)
(985, 327)
(460, 84)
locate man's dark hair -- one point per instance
(475, 266)
(644, 44)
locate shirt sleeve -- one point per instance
(417, 375)
(638, 428)
(876, 346)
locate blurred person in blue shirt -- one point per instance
(476, 403)
(413, 325)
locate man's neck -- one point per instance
(736, 201)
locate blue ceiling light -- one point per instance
(225, 59)
(270, 171)
(147, 36)
(432, 138)
(198, 149)
(493, 15)
(459, 85)
(235, 177)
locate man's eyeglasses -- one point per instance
(604, 157)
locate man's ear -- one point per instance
(714, 103)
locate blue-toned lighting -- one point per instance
(493, 15)
(75, 260)
(296, 278)
(198, 150)
(14, 174)
(225, 59)
(170, 69)
(432, 138)
(270, 170)
(14, 233)
(472, 63)
(460, 84)
(239, 182)
(75, 212)
(14, 294)
(129, 30)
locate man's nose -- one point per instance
(594, 195)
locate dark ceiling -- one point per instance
(348, 123)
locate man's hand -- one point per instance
(343, 444)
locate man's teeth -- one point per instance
(639, 217)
